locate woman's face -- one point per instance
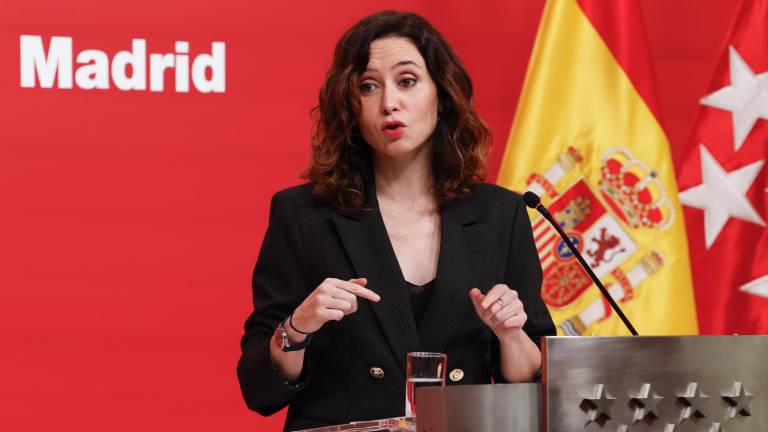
(398, 99)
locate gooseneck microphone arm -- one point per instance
(533, 201)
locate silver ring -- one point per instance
(500, 300)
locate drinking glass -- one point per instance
(423, 369)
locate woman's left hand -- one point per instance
(500, 309)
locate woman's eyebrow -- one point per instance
(397, 65)
(405, 63)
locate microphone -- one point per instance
(533, 201)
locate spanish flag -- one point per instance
(586, 137)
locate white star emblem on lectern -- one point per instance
(722, 195)
(746, 98)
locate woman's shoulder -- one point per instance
(299, 197)
(497, 195)
(490, 202)
(301, 192)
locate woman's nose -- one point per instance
(389, 102)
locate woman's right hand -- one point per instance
(332, 300)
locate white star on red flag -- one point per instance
(723, 179)
(746, 98)
(758, 286)
(722, 195)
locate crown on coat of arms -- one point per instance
(634, 191)
(569, 158)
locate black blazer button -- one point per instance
(377, 372)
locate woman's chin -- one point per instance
(399, 149)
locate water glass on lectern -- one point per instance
(423, 369)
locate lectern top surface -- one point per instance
(397, 424)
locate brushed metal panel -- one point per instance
(575, 367)
(479, 408)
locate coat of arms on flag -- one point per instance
(585, 138)
(628, 193)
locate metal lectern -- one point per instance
(617, 384)
(652, 383)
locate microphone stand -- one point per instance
(533, 201)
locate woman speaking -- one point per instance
(393, 245)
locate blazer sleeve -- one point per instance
(524, 275)
(279, 286)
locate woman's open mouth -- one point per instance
(393, 129)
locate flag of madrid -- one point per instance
(723, 180)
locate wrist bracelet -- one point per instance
(290, 323)
(298, 385)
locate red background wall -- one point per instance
(130, 221)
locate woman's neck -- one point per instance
(404, 179)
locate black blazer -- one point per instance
(486, 239)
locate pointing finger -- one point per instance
(358, 290)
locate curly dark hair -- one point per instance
(340, 156)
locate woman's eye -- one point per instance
(367, 87)
(408, 82)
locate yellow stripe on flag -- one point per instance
(584, 139)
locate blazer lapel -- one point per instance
(462, 251)
(367, 244)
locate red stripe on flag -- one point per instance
(620, 25)
(544, 233)
(546, 243)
